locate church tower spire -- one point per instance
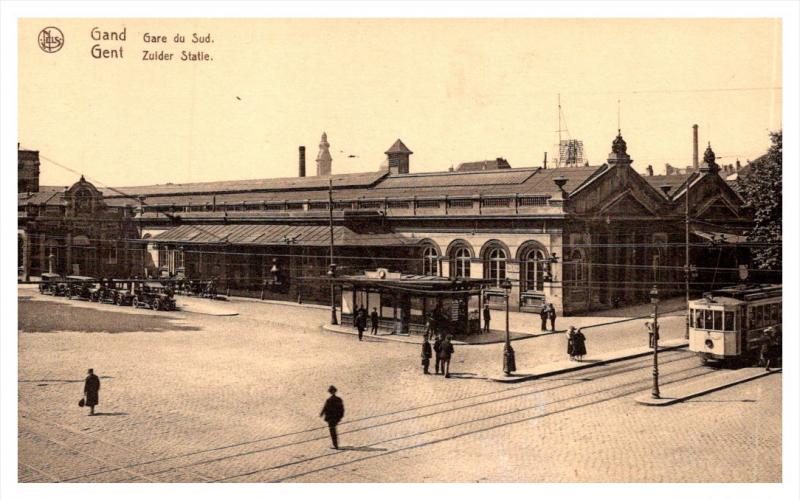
(324, 159)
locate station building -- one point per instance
(581, 238)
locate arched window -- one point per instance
(430, 261)
(496, 265)
(655, 263)
(534, 265)
(578, 265)
(459, 262)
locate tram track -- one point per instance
(636, 386)
(507, 394)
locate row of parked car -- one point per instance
(122, 292)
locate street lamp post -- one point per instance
(332, 275)
(509, 361)
(654, 299)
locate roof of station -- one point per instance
(371, 185)
(278, 234)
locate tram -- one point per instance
(732, 324)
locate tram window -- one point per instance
(699, 319)
(759, 317)
(774, 317)
(728, 321)
(717, 320)
(709, 319)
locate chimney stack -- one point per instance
(545, 160)
(650, 170)
(695, 153)
(302, 159)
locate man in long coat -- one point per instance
(375, 319)
(427, 352)
(551, 313)
(446, 354)
(332, 412)
(543, 315)
(487, 317)
(437, 351)
(91, 390)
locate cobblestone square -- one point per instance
(191, 397)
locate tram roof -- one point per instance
(749, 293)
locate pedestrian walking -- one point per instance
(332, 412)
(91, 391)
(447, 353)
(427, 352)
(551, 314)
(375, 319)
(361, 322)
(487, 318)
(437, 350)
(579, 345)
(571, 343)
(765, 357)
(543, 314)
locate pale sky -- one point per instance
(452, 90)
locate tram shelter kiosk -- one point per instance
(405, 301)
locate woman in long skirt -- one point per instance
(571, 343)
(579, 345)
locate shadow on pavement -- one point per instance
(109, 414)
(37, 316)
(44, 381)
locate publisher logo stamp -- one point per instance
(51, 39)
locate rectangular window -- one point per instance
(708, 319)
(717, 320)
(729, 323)
(759, 316)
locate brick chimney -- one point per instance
(650, 170)
(695, 152)
(302, 162)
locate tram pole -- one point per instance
(332, 270)
(654, 299)
(686, 268)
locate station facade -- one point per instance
(582, 238)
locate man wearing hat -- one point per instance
(332, 412)
(91, 389)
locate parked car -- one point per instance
(155, 296)
(123, 292)
(80, 287)
(51, 284)
(104, 292)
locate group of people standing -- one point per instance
(548, 313)
(576, 344)
(361, 321)
(442, 351)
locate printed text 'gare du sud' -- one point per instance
(151, 46)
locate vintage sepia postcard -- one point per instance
(314, 247)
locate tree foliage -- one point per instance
(762, 188)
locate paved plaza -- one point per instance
(202, 397)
